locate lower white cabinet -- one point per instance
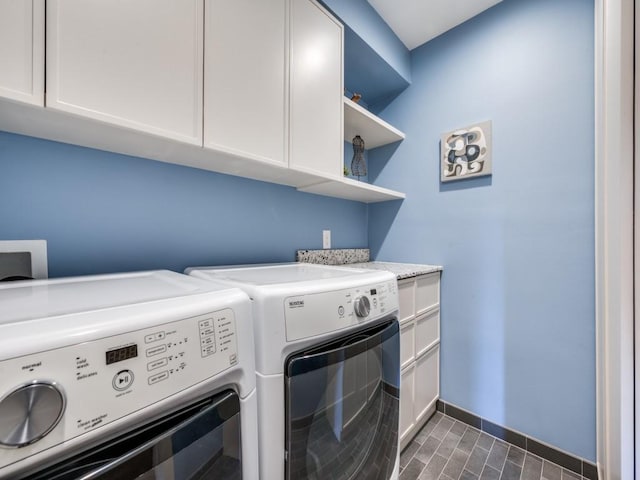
(427, 329)
(407, 418)
(427, 384)
(407, 344)
(419, 352)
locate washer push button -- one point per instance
(154, 337)
(158, 377)
(156, 350)
(122, 380)
(207, 337)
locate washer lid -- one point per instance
(276, 274)
(26, 300)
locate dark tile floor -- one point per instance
(447, 449)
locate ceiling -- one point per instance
(418, 21)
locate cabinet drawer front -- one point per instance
(407, 344)
(427, 292)
(406, 299)
(427, 382)
(427, 331)
(407, 417)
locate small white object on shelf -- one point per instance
(375, 131)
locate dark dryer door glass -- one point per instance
(199, 442)
(342, 407)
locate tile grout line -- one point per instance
(475, 445)
(449, 458)
(526, 439)
(504, 464)
(414, 453)
(485, 461)
(472, 448)
(436, 449)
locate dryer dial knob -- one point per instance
(29, 413)
(362, 306)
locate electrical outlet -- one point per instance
(326, 239)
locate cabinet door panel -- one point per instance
(407, 344)
(427, 292)
(22, 50)
(316, 111)
(427, 331)
(135, 64)
(244, 90)
(406, 299)
(407, 417)
(427, 381)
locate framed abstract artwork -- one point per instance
(466, 152)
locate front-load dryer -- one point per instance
(328, 369)
(137, 375)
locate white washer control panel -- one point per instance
(107, 379)
(318, 313)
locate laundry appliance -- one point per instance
(328, 369)
(136, 375)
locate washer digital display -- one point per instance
(120, 354)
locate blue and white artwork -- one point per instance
(466, 152)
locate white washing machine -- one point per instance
(137, 375)
(328, 369)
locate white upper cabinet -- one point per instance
(316, 79)
(241, 87)
(244, 78)
(22, 50)
(134, 64)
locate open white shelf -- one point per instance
(353, 190)
(374, 131)
(50, 124)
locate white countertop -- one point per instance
(401, 270)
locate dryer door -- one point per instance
(342, 407)
(199, 442)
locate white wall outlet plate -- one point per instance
(326, 239)
(23, 258)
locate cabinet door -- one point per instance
(407, 343)
(406, 299)
(244, 78)
(427, 331)
(22, 50)
(427, 382)
(407, 416)
(135, 64)
(427, 292)
(316, 143)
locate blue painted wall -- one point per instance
(102, 212)
(376, 63)
(363, 19)
(518, 333)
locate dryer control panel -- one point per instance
(318, 313)
(53, 396)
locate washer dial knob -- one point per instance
(362, 306)
(29, 413)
